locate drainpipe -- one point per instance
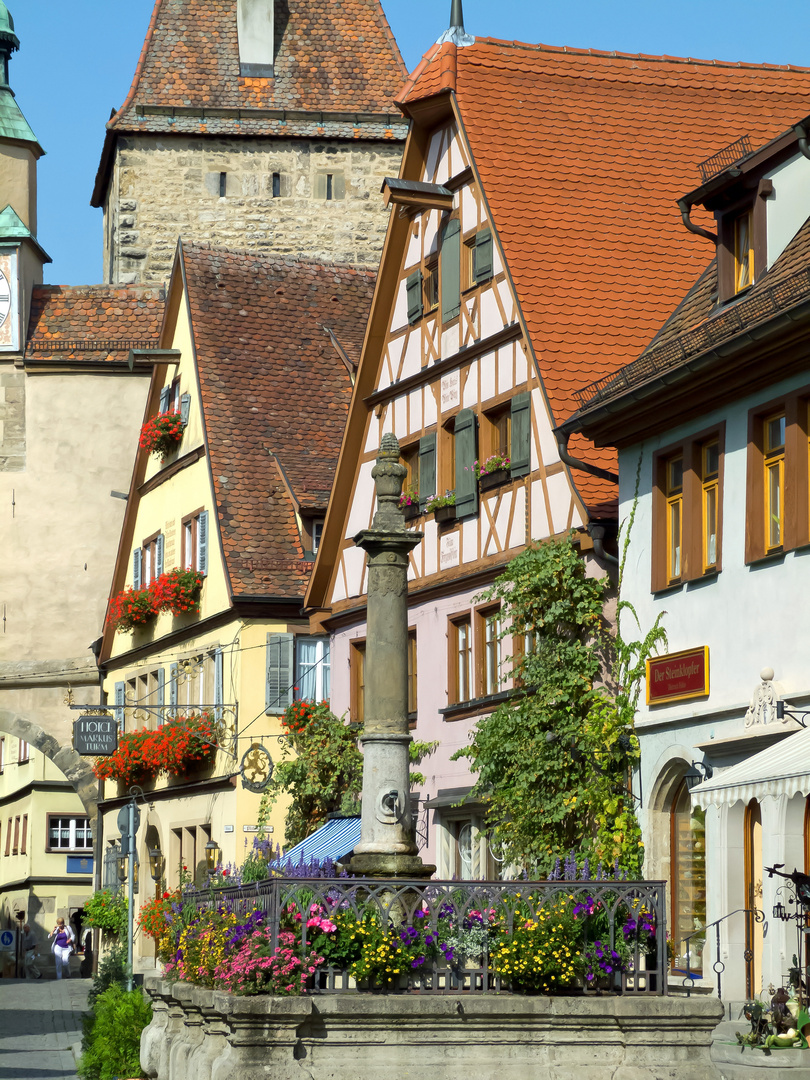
(685, 210)
(576, 463)
(801, 133)
(597, 534)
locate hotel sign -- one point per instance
(95, 736)
(678, 676)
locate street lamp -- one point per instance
(697, 773)
(155, 864)
(122, 868)
(212, 854)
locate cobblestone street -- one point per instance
(40, 1022)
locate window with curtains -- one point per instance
(195, 541)
(147, 561)
(312, 671)
(460, 660)
(774, 480)
(66, 833)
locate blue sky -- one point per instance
(77, 60)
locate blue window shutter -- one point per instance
(413, 287)
(185, 407)
(427, 468)
(279, 682)
(159, 555)
(120, 699)
(202, 542)
(174, 671)
(450, 270)
(165, 398)
(218, 698)
(137, 561)
(483, 255)
(520, 450)
(466, 480)
(161, 696)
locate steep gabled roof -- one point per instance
(330, 57)
(275, 394)
(99, 323)
(583, 156)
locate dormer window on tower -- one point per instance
(256, 32)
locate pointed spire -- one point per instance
(456, 32)
(13, 124)
(9, 42)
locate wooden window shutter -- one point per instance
(165, 398)
(483, 255)
(202, 542)
(120, 700)
(174, 671)
(427, 468)
(520, 450)
(466, 454)
(279, 683)
(185, 407)
(414, 290)
(450, 267)
(218, 693)
(159, 555)
(137, 561)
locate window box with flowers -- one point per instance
(131, 608)
(177, 591)
(184, 744)
(409, 503)
(161, 433)
(493, 471)
(443, 507)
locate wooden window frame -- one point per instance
(149, 548)
(24, 838)
(192, 523)
(446, 455)
(710, 489)
(674, 497)
(796, 476)
(727, 263)
(454, 623)
(413, 674)
(409, 457)
(693, 567)
(23, 752)
(430, 283)
(2, 755)
(357, 668)
(483, 615)
(469, 245)
(491, 431)
(773, 462)
(15, 848)
(8, 837)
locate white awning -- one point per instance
(782, 769)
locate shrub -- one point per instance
(112, 971)
(112, 1035)
(107, 910)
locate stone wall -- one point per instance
(199, 1034)
(221, 192)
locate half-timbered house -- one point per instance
(534, 212)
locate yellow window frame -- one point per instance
(710, 477)
(743, 251)
(774, 462)
(674, 493)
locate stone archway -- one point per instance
(77, 770)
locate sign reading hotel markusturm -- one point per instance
(95, 736)
(678, 676)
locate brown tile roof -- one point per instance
(93, 322)
(583, 156)
(330, 58)
(697, 325)
(275, 393)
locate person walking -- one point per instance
(29, 944)
(62, 947)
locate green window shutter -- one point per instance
(427, 468)
(450, 269)
(466, 454)
(414, 290)
(185, 407)
(483, 255)
(279, 682)
(159, 555)
(165, 398)
(520, 450)
(202, 542)
(137, 560)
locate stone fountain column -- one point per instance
(386, 847)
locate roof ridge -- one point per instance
(133, 287)
(276, 260)
(616, 54)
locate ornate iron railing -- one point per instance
(465, 936)
(752, 915)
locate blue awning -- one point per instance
(332, 841)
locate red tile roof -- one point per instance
(275, 395)
(93, 322)
(330, 57)
(582, 156)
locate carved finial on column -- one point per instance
(389, 475)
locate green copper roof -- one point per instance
(7, 27)
(13, 124)
(12, 227)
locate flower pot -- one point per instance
(410, 512)
(493, 479)
(444, 513)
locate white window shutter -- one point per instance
(202, 542)
(279, 681)
(137, 563)
(159, 556)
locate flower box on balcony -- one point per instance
(444, 513)
(493, 479)
(161, 433)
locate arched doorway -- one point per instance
(687, 879)
(754, 930)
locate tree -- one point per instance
(554, 762)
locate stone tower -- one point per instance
(260, 124)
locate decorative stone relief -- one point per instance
(762, 709)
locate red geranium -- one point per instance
(174, 749)
(161, 433)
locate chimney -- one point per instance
(456, 32)
(256, 32)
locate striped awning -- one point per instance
(333, 840)
(782, 769)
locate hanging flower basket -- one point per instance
(131, 608)
(162, 433)
(174, 749)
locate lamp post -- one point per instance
(386, 847)
(156, 864)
